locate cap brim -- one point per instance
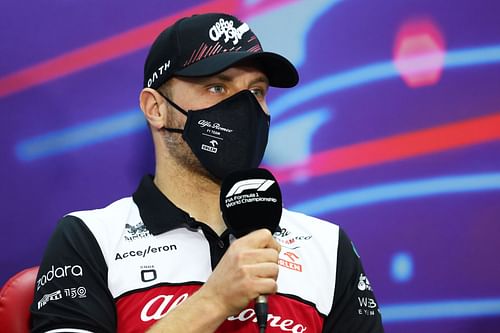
(279, 71)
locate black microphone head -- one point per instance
(250, 200)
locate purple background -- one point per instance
(431, 256)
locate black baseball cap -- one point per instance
(206, 44)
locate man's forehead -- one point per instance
(244, 72)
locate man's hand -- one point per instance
(248, 269)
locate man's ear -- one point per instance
(154, 108)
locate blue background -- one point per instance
(393, 133)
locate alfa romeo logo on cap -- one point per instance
(226, 28)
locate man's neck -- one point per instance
(194, 194)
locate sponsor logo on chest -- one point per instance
(137, 231)
(147, 251)
(159, 306)
(290, 240)
(290, 260)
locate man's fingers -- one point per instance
(265, 286)
(254, 256)
(259, 239)
(265, 270)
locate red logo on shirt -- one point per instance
(140, 310)
(291, 263)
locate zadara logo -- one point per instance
(57, 273)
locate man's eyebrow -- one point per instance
(219, 77)
(260, 79)
(227, 78)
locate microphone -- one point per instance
(251, 199)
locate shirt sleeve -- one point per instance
(71, 290)
(355, 309)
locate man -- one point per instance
(163, 260)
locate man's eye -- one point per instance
(216, 89)
(258, 92)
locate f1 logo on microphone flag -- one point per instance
(260, 185)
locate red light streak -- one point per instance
(395, 148)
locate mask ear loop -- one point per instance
(178, 108)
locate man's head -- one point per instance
(203, 45)
(206, 77)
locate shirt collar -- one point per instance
(158, 213)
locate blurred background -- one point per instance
(393, 133)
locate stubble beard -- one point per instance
(180, 151)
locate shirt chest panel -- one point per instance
(307, 266)
(175, 257)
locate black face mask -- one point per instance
(228, 136)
